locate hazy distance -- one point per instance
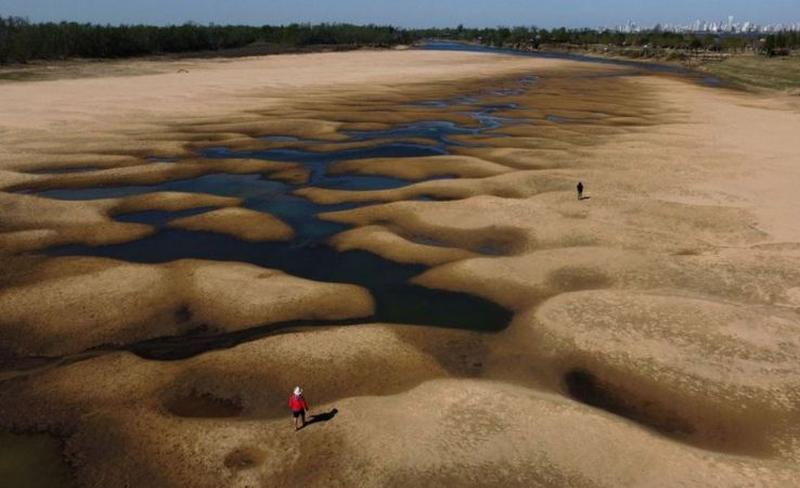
(406, 13)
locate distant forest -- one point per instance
(22, 41)
(535, 38)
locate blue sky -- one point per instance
(407, 13)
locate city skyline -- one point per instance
(727, 25)
(679, 14)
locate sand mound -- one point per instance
(72, 304)
(556, 219)
(724, 375)
(422, 168)
(463, 228)
(238, 222)
(165, 200)
(518, 158)
(511, 185)
(522, 281)
(493, 434)
(182, 422)
(31, 223)
(156, 172)
(318, 129)
(221, 419)
(46, 163)
(384, 242)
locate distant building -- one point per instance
(704, 26)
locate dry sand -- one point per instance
(422, 168)
(656, 334)
(68, 305)
(245, 224)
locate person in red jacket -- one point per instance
(299, 406)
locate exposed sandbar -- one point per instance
(138, 407)
(422, 168)
(31, 223)
(653, 318)
(724, 375)
(242, 223)
(154, 173)
(384, 242)
(508, 185)
(72, 304)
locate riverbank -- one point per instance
(49, 70)
(779, 73)
(747, 71)
(653, 334)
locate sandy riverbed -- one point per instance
(656, 333)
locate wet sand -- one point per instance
(655, 333)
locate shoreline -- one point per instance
(703, 67)
(759, 78)
(76, 68)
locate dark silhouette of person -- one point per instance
(580, 190)
(323, 417)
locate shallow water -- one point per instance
(59, 171)
(308, 255)
(160, 218)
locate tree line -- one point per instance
(22, 41)
(535, 38)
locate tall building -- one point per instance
(711, 27)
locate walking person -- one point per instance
(580, 190)
(299, 406)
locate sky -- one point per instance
(405, 13)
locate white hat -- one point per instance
(298, 391)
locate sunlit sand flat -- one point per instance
(398, 231)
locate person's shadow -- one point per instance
(584, 198)
(322, 417)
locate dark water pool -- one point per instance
(307, 255)
(61, 171)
